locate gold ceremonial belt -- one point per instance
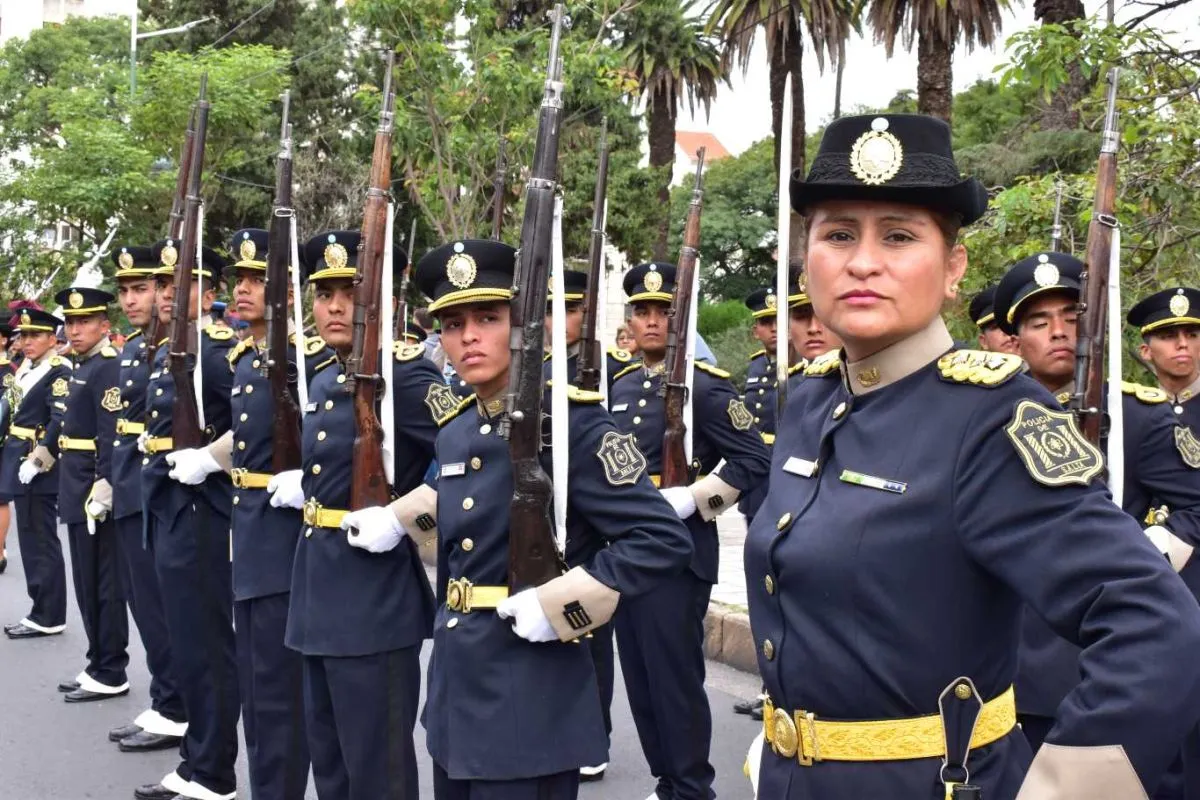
(657, 479)
(159, 444)
(29, 434)
(768, 438)
(244, 479)
(67, 443)
(127, 428)
(464, 596)
(317, 516)
(800, 734)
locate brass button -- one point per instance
(308, 533)
(769, 584)
(125, 404)
(452, 622)
(468, 504)
(241, 445)
(642, 403)
(762, 391)
(758, 405)
(236, 499)
(476, 463)
(485, 429)
(256, 363)
(341, 378)
(645, 384)
(756, 419)
(962, 691)
(784, 521)
(145, 461)
(158, 392)
(244, 417)
(316, 469)
(328, 404)
(129, 383)
(136, 362)
(154, 414)
(249, 390)
(637, 420)
(768, 649)
(839, 410)
(468, 545)
(320, 436)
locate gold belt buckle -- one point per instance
(62, 443)
(311, 507)
(458, 595)
(791, 736)
(235, 475)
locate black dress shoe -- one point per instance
(757, 714)
(70, 686)
(85, 696)
(144, 742)
(154, 791)
(3, 564)
(124, 732)
(20, 631)
(748, 706)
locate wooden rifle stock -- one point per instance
(285, 422)
(532, 554)
(369, 485)
(675, 468)
(587, 372)
(174, 225)
(401, 322)
(1087, 400)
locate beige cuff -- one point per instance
(417, 512)
(101, 493)
(222, 451)
(1081, 773)
(42, 458)
(576, 603)
(713, 496)
(1178, 552)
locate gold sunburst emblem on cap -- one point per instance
(877, 155)
(248, 249)
(26, 319)
(169, 256)
(125, 261)
(1045, 275)
(1180, 305)
(800, 283)
(336, 256)
(75, 300)
(461, 270)
(653, 281)
(770, 301)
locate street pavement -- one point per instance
(50, 750)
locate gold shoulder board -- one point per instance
(794, 368)
(59, 361)
(979, 367)
(408, 352)
(238, 350)
(825, 363)
(1146, 394)
(324, 364)
(624, 356)
(313, 345)
(463, 405)
(627, 370)
(758, 353)
(711, 370)
(218, 333)
(577, 395)
(108, 351)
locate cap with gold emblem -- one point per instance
(79, 301)
(333, 255)
(762, 303)
(166, 253)
(134, 261)
(30, 320)
(249, 250)
(467, 271)
(797, 288)
(899, 158)
(576, 285)
(653, 281)
(414, 333)
(1038, 274)
(981, 310)
(1170, 307)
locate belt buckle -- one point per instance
(235, 475)
(807, 749)
(458, 595)
(62, 443)
(311, 507)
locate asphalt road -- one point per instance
(50, 750)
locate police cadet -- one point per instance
(660, 635)
(1169, 322)
(29, 473)
(84, 450)
(413, 333)
(264, 544)
(919, 499)
(575, 292)
(357, 617)
(991, 336)
(760, 391)
(162, 725)
(810, 338)
(188, 500)
(8, 369)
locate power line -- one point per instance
(235, 28)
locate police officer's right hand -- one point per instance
(373, 529)
(143, 437)
(27, 472)
(681, 499)
(286, 489)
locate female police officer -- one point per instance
(916, 502)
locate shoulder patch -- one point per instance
(442, 402)
(825, 363)
(324, 364)
(739, 415)
(623, 463)
(1051, 446)
(408, 352)
(704, 366)
(795, 368)
(627, 370)
(218, 333)
(1188, 446)
(617, 354)
(1146, 394)
(108, 351)
(313, 345)
(60, 387)
(979, 367)
(577, 395)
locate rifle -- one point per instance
(590, 351)
(185, 415)
(174, 224)
(498, 183)
(532, 553)
(285, 423)
(369, 484)
(1057, 231)
(675, 468)
(1086, 402)
(402, 304)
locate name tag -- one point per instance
(154, 375)
(453, 470)
(310, 407)
(871, 482)
(800, 466)
(751, 380)
(620, 407)
(127, 362)
(235, 391)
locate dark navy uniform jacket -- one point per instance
(165, 497)
(92, 407)
(126, 459)
(1155, 474)
(874, 600)
(264, 537)
(500, 707)
(722, 428)
(1186, 406)
(41, 407)
(760, 393)
(616, 360)
(346, 601)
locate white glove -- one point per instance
(95, 511)
(27, 472)
(681, 499)
(286, 491)
(91, 526)
(1160, 537)
(191, 467)
(374, 529)
(529, 621)
(143, 437)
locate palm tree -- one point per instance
(936, 25)
(673, 58)
(1062, 111)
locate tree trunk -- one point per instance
(837, 87)
(1062, 112)
(795, 55)
(662, 157)
(935, 77)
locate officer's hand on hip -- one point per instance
(191, 467)
(373, 529)
(27, 472)
(529, 621)
(286, 490)
(681, 499)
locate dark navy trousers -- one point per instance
(96, 571)
(42, 557)
(560, 786)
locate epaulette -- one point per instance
(825, 363)
(408, 352)
(577, 395)
(1146, 394)
(4, 361)
(59, 361)
(635, 365)
(546, 356)
(332, 359)
(218, 333)
(980, 367)
(711, 370)
(617, 354)
(463, 405)
(312, 344)
(134, 335)
(795, 368)
(758, 353)
(238, 350)
(108, 351)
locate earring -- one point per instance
(954, 288)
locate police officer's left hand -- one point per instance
(27, 472)
(373, 529)
(529, 621)
(681, 499)
(191, 467)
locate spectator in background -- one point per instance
(433, 338)
(625, 340)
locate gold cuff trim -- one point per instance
(464, 597)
